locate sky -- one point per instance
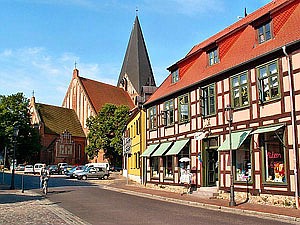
(41, 40)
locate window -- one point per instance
(152, 118)
(239, 91)
(242, 160)
(208, 100)
(168, 167)
(137, 126)
(183, 108)
(274, 156)
(155, 167)
(264, 32)
(268, 81)
(168, 114)
(213, 57)
(175, 76)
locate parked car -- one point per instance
(70, 173)
(28, 169)
(93, 172)
(61, 167)
(76, 172)
(53, 169)
(20, 167)
(37, 168)
(115, 169)
(66, 168)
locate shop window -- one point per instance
(242, 159)
(168, 113)
(273, 156)
(175, 76)
(268, 81)
(152, 118)
(168, 167)
(155, 167)
(213, 57)
(183, 105)
(208, 100)
(239, 90)
(264, 32)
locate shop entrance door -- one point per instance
(210, 161)
(212, 167)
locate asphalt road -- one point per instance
(100, 206)
(103, 206)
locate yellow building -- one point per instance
(135, 130)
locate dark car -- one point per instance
(93, 172)
(53, 169)
(20, 167)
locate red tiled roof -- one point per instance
(237, 44)
(101, 93)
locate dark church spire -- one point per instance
(136, 69)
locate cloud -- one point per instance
(28, 69)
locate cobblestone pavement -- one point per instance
(31, 208)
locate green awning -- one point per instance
(177, 147)
(237, 139)
(149, 150)
(267, 129)
(162, 149)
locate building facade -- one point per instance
(135, 135)
(62, 137)
(253, 68)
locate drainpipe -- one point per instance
(293, 117)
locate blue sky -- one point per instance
(41, 39)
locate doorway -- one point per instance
(210, 167)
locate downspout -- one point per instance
(293, 118)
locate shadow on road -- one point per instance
(14, 198)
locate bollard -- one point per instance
(22, 183)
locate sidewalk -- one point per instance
(291, 215)
(14, 204)
(31, 208)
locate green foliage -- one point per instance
(14, 112)
(105, 132)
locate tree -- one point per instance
(14, 112)
(105, 132)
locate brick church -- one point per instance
(135, 85)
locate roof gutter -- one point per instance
(222, 72)
(294, 126)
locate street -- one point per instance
(95, 204)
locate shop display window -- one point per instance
(168, 167)
(274, 156)
(243, 162)
(155, 167)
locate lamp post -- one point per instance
(15, 135)
(229, 117)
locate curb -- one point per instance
(271, 216)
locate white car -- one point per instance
(28, 169)
(38, 168)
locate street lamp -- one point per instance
(15, 135)
(229, 118)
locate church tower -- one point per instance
(136, 76)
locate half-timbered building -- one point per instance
(252, 69)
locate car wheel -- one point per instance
(105, 177)
(84, 177)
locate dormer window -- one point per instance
(213, 56)
(264, 32)
(175, 76)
